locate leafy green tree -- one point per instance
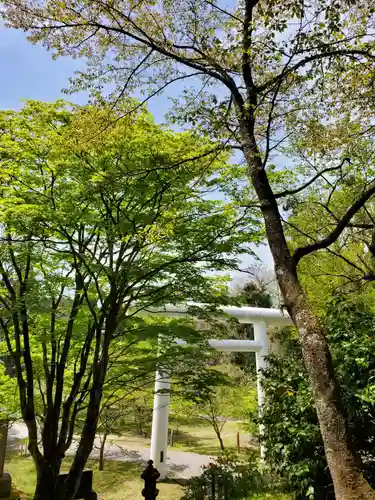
(128, 394)
(251, 60)
(128, 388)
(348, 263)
(215, 409)
(221, 401)
(140, 408)
(293, 443)
(110, 423)
(97, 227)
(256, 295)
(228, 477)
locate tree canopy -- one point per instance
(93, 231)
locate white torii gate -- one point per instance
(260, 318)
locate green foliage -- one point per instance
(251, 62)
(293, 442)
(9, 398)
(338, 142)
(229, 478)
(104, 216)
(256, 295)
(294, 447)
(247, 411)
(323, 53)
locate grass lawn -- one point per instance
(120, 480)
(202, 438)
(196, 436)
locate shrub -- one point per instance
(229, 478)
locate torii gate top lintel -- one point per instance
(243, 314)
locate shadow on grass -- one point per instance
(123, 452)
(115, 477)
(181, 481)
(184, 441)
(185, 438)
(188, 421)
(196, 446)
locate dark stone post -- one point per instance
(5, 479)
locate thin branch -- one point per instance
(223, 11)
(288, 192)
(315, 57)
(341, 225)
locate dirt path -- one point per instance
(180, 463)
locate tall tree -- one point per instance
(94, 229)
(252, 60)
(293, 443)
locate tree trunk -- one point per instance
(47, 475)
(82, 454)
(218, 434)
(220, 441)
(92, 416)
(101, 452)
(344, 464)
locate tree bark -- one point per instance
(220, 441)
(344, 464)
(89, 429)
(101, 452)
(218, 434)
(47, 474)
(82, 454)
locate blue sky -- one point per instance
(29, 72)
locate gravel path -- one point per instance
(180, 463)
